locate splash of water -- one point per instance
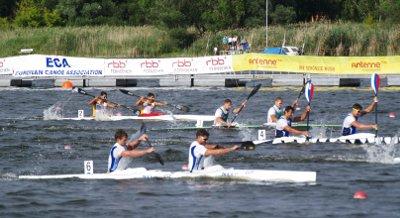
(246, 134)
(53, 112)
(381, 152)
(103, 114)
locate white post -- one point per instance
(266, 23)
(88, 166)
(81, 114)
(262, 135)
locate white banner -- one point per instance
(165, 66)
(57, 66)
(6, 66)
(61, 66)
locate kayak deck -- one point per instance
(358, 138)
(215, 172)
(205, 118)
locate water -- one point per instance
(31, 145)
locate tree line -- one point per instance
(203, 15)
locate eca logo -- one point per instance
(182, 63)
(117, 64)
(215, 61)
(149, 64)
(57, 62)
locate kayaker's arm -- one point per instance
(139, 102)
(303, 116)
(213, 146)
(137, 153)
(159, 103)
(222, 151)
(274, 119)
(359, 125)
(93, 101)
(221, 122)
(240, 108)
(370, 107)
(135, 143)
(295, 131)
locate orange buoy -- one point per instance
(67, 84)
(360, 195)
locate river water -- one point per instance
(31, 145)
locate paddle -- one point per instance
(253, 92)
(375, 83)
(157, 156)
(177, 106)
(248, 145)
(83, 92)
(309, 92)
(302, 89)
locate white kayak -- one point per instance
(204, 118)
(215, 172)
(358, 138)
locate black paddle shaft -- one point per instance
(157, 156)
(179, 107)
(83, 92)
(253, 92)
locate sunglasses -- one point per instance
(205, 138)
(357, 111)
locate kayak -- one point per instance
(214, 172)
(299, 126)
(204, 118)
(358, 138)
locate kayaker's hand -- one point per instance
(235, 147)
(374, 126)
(150, 150)
(308, 108)
(143, 137)
(295, 104)
(376, 99)
(306, 134)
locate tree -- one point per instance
(283, 15)
(33, 13)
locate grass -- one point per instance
(329, 39)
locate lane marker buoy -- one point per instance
(360, 195)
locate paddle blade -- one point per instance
(247, 145)
(143, 128)
(375, 83)
(158, 157)
(254, 91)
(182, 108)
(127, 92)
(309, 91)
(79, 90)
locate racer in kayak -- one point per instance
(201, 153)
(147, 105)
(284, 125)
(351, 123)
(100, 102)
(124, 150)
(222, 113)
(275, 112)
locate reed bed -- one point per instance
(324, 39)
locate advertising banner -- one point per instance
(61, 66)
(316, 64)
(57, 66)
(6, 65)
